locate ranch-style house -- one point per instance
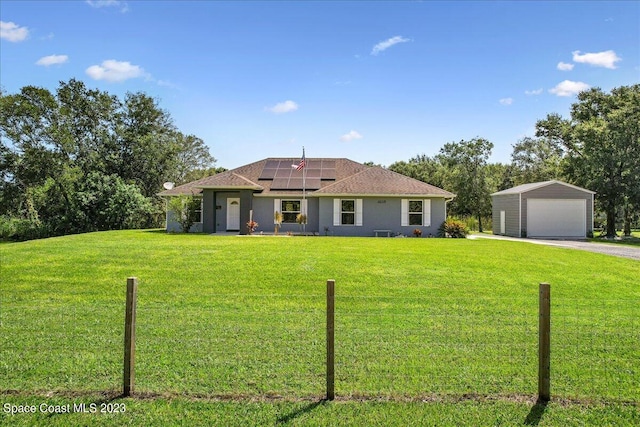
(340, 197)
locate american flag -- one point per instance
(302, 163)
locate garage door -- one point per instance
(556, 218)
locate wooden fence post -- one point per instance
(330, 338)
(130, 336)
(544, 343)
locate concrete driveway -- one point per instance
(623, 251)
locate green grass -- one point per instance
(182, 411)
(242, 319)
(633, 240)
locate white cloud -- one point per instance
(115, 71)
(569, 88)
(166, 83)
(347, 137)
(386, 44)
(533, 92)
(124, 7)
(12, 32)
(563, 66)
(52, 60)
(506, 101)
(283, 107)
(606, 59)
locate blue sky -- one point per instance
(370, 81)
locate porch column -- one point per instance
(246, 199)
(209, 211)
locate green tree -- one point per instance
(193, 157)
(61, 154)
(106, 202)
(536, 160)
(602, 144)
(467, 163)
(424, 168)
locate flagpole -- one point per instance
(304, 192)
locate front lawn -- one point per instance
(224, 321)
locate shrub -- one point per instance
(453, 228)
(20, 229)
(183, 208)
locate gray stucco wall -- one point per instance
(379, 214)
(558, 191)
(510, 204)
(263, 210)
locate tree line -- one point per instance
(597, 147)
(82, 160)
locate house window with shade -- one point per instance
(290, 210)
(347, 212)
(416, 212)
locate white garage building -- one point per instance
(549, 209)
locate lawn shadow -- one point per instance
(157, 231)
(536, 412)
(306, 408)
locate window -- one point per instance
(290, 210)
(195, 210)
(348, 213)
(415, 212)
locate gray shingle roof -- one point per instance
(352, 178)
(379, 181)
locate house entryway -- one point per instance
(233, 214)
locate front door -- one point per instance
(233, 214)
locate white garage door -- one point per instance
(556, 218)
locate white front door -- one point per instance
(503, 222)
(233, 214)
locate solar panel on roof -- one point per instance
(283, 173)
(329, 164)
(287, 177)
(272, 164)
(268, 173)
(295, 184)
(280, 184)
(312, 183)
(314, 173)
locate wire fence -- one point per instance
(252, 345)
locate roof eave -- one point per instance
(229, 188)
(427, 195)
(536, 187)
